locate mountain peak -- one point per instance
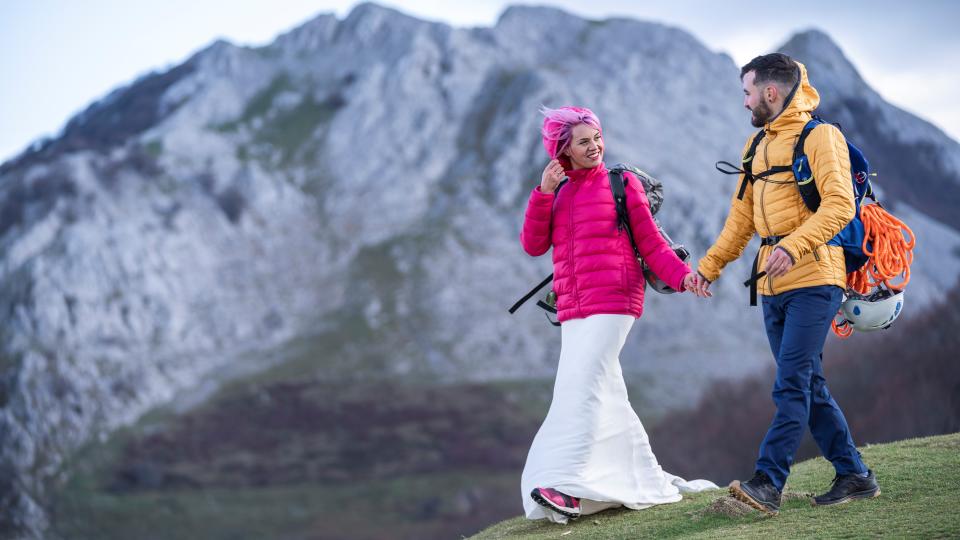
(824, 59)
(536, 16)
(311, 35)
(813, 36)
(370, 24)
(372, 13)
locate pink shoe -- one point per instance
(556, 501)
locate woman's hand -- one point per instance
(690, 282)
(552, 175)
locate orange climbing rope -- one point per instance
(891, 254)
(889, 244)
(842, 329)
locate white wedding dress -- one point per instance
(592, 445)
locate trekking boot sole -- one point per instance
(869, 494)
(547, 504)
(742, 496)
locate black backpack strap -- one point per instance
(754, 274)
(562, 183)
(754, 278)
(530, 294)
(808, 188)
(540, 303)
(748, 163)
(547, 307)
(617, 183)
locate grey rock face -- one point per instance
(363, 180)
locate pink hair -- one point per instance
(558, 125)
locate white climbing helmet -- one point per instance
(874, 312)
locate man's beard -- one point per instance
(760, 114)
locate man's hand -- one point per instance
(778, 263)
(701, 286)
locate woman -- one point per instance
(592, 453)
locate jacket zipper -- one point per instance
(763, 209)
(573, 275)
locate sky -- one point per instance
(61, 55)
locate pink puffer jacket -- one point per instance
(594, 268)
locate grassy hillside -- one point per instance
(919, 480)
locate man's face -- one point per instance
(754, 101)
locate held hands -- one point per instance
(552, 175)
(778, 263)
(697, 284)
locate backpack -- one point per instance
(653, 189)
(851, 237)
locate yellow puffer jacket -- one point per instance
(772, 206)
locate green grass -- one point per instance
(260, 103)
(286, 130)
(289, 130)
(919, 482)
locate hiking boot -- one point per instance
(759, 493)
(560, 503)
(848, 487)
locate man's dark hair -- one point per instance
(776, 68)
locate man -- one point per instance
(805, 278)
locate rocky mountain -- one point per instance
(359, 183)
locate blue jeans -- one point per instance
(797, 323)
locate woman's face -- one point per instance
(586, 147)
